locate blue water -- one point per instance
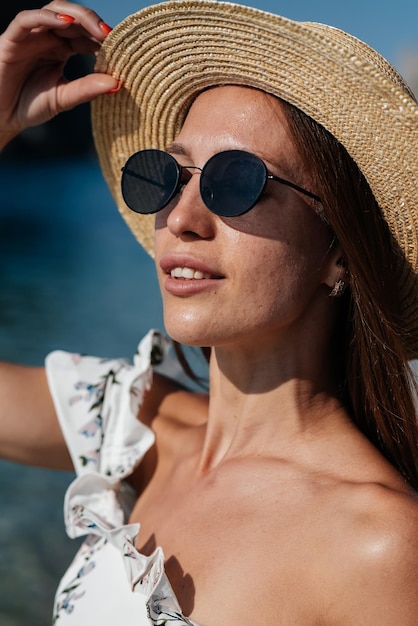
(72, 277)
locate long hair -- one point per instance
(377, 383)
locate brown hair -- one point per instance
(377, 384)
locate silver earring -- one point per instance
(338, 289)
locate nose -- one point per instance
(187, 217)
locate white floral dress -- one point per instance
(97, 400)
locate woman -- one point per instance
(286, 495)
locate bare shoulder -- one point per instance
(170, 404)
(176, 416)
(339, 553)
(374, 549)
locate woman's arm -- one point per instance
(33, 52)
(29, 429)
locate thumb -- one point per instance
(85, 89)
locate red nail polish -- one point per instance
(65, 18)
(105, 28)
(115, 89)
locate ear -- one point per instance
(336, 269)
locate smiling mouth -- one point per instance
(188, 273)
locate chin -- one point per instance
(190, 330)
(186, 337)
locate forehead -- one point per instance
(231, 117)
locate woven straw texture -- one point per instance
(166, 54)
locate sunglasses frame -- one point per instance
(180, 168)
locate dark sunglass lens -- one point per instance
(149, 180)
(232, 182)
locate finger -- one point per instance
(84, 16)
(85, 89)
(27, 21)
(43, 19)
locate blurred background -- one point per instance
(73, 277)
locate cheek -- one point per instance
(264, 272)
(277, 241)
(161, 233)
(161, 219)
(282, 270)
(159, 239)
(276, 275)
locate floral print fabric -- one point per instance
(97, 401)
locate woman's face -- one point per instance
(257, 277)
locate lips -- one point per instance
(188, 268)
(187, 275)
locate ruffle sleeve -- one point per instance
(97, 403)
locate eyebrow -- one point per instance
(177, 148)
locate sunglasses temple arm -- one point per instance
(295, 187)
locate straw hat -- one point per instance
(166, 54)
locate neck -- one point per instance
(264, 398)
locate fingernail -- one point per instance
(105, 28)
(65, 18)
(115, 89)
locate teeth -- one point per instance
(188, 273)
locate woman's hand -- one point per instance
(33, 52)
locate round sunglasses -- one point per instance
(231, 182)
